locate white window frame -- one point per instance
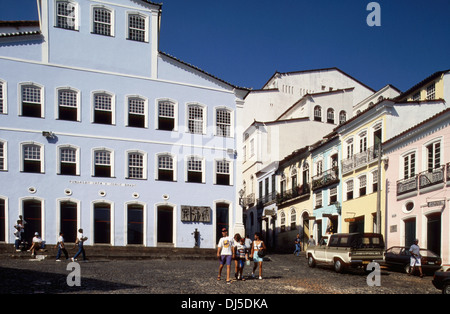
(362, 141)
(230, 169)
(230, 125)
(112, 25)
(361, 184)
(127, 109)
(405, 161)
(78, 100)
(77, 158)
(342, 114)
(5, 155)
(331, 115)
(76, 23)
(146, 19)
(42, 93)
(113, 106)
(349, 148)
(41, 155)
(174, 165)
(4, 97)
(431, 91)
(175, 112)
(433, 142)
(352, 180)
(144, 164)
(203, 165)
(204, 117)
(317, 113)
(111, 160)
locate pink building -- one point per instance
(418, 186)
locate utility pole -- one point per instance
(379, 191)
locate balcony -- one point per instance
(360, 160)
(298, 192)
(326, 178)
(266, 199)
(424, 180)
(249, 200)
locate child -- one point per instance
(241, 258)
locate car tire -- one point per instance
(446, 288)
(338, 265)
(311, 261)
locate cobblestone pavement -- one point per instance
(283, 274)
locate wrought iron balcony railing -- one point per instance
(326, 178)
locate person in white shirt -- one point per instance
(36, 245)
(80, 242)
(415, 260)
(61, 248)
(225, 252)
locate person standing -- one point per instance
(61, 248)
(80, 241)
(415, 260)
(257, 246)
(241, 258)
(297, 244)
(225, 252)
(18, 235)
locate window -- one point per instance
(409, 166)
(2, 97)
(282, 222)
(333, 195)
(103, 163)
(349, 148)
(66, 15)
(431, 92)
(32, 158)
(362, 185)
(137, 28)
(68, 100)
(195, 170)
(342, 117)
(330, 115)
(252, 147)
(317, 113)
(68, 160)
(196, 121)
(102, 21)
(319, 168)
(166, 115)
(293, 219)
(166, 171)
(31, 101)
(349, 189)
(136, 165)
(2, 155)
(135, 224)
(103, 108)
(363, 142)
(433, 156)
(223, 122)
(137, 112)
(223, 173)
(318, 197)
(375, 181)
(416, 96)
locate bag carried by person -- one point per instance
(261, 253)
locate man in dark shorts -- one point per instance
(225, 253)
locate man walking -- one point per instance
(80, 240)
(297, 242)
(61, 248)
(225, 252)
(415, 260)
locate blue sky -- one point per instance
(244, 42)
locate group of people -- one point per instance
(38, 244)
(241, 250)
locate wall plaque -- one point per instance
(196, 214)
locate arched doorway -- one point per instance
(305, 229)
(68, 220)
(32, 214)
(135, 224)
(102, 223)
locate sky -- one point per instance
(244, 42)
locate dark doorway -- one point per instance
(410, 231)
(68, 221)
(434, 233)
(222, 210)
(102, 223)
(135, 229)
(3, 220)
(32, 213)
(357, 225)
(165, 224)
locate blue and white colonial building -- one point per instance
(101, 130)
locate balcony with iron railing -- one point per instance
(267, 199)
(298, 192)
(424, 180)
(360, 160)
(326, 178)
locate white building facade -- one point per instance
(100, 130)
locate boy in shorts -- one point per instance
(225, 252)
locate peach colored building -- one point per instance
(418, 186)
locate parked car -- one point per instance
(441, 280)
(346, 250)
(399, 257)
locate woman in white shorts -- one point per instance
(258, 245)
